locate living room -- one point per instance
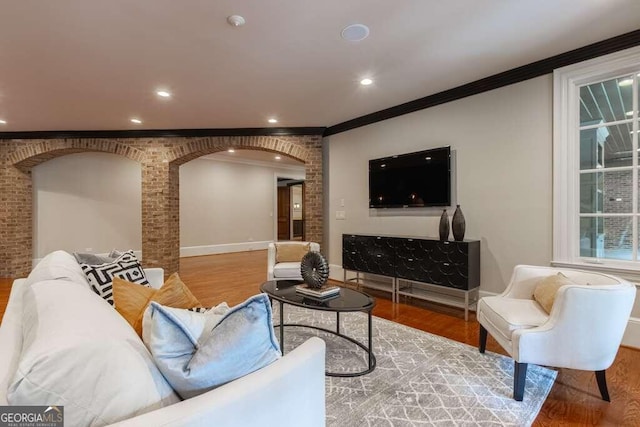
(503, 167)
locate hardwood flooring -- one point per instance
(574, 399)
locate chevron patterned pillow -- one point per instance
(126, 267)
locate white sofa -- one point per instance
(288, 392)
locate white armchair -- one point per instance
(284, 267)
(583, 330)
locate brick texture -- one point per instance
(160, 159)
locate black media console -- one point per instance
(419, 267)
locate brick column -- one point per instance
(160, 214)
(16, 201)
(313, 192)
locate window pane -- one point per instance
(608, 238)
(607, 101)
(606, 192)
(606, 147)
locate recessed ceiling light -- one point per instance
(236, 20)
(163, 93)
(625, 82)
(3, 122)
(273, 120)
(355, 32)
(136, 121)
(278, 157)
(231, 150)
(366, 82)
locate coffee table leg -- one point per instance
(281, 327)
(337, 321)
(370, 340)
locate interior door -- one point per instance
(284, 213)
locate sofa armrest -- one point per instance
(155, 276)
(289, 392)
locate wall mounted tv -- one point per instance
(420, 179)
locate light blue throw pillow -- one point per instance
(197, 352)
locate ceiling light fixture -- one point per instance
(625, 82)
(136, 121)
(629, 113)
(236, 20)
(163, 93)
(278, 157)
(273, 120)
(3, 122)
(366, 82)
(355, 32)
(231, 150)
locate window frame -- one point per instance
(566, 157)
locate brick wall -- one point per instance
(160, 159)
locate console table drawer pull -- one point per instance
(410, 259)
(446, 243)
(445, 263)
(379, 256)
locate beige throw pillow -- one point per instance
(547, 288)
(132, 300)
(291, 252)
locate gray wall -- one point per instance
(503, 147)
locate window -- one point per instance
(596, 153)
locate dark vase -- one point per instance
(444, 225)
(458, 225)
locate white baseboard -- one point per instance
(222, 249)
(35, 261)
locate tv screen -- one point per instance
(418, 179)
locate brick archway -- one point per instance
(160, 159)
(34, 154)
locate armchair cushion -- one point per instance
(287, 270)
(291, 252)
(510, 314)
(545, 292)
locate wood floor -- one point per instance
(574, 399)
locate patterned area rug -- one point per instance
(420, 379)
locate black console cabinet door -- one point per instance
(369, 254)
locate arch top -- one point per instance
(34, 154)
(204, 146)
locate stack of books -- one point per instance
(323, 292)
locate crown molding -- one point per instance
(515, 75)
(163, 133)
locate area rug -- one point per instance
(420, 379)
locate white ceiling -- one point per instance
(92, 65)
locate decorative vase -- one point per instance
(444, 225)
(458, 224)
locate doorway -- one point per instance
(290, 209)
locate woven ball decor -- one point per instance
(314, 269)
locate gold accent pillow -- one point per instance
(291, 252)
(546, 290)
(132, 300)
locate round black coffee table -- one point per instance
(349, 300)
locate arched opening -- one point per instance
(228, 200)
(86, 202)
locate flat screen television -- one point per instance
(418, 179)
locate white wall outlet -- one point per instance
(341, 215)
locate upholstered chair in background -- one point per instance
(283, 259)
(582, 328)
